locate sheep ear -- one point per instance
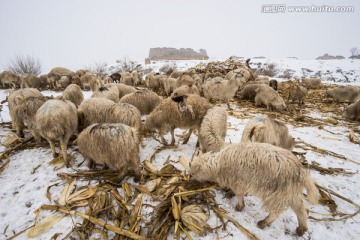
(179, 99)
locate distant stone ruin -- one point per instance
(156, 54)
(329, 57)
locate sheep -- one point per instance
(210, 75)
(186, 89)
(352, 112)
(274, 84)
(32, 81)
(8, 77)
(85, 80)
(60, 71)
(137, 77)
(100, 110)
(249, 91)
(344, 93)
(184, 80)
(114, 145)
(311, 83)
(108, 91)
(145, 100)
(81, 72)
(93, 110)
(219, 88)
(95, 83)
(52, 78)
(262, 80)
(266, 130)
(124, 89)
(176, 74)
(73, 94)
(154, 82)
(185, 111)
(63, 82)
(213, 130)
(116, 77)
(128, 80)
(269, 97)
(56, 120)
(169, 85)
(15, 100)
(274, 174)
(297, 92)
(108, 79)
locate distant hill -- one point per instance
(329, 57)
(156, 54)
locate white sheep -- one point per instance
(270, 98)
(109, 91)
(144, 99)
(266, 130)
(56, 120)
(186, 89)
(74, 94)
(213, 129)
(114, 145)
(274, 174)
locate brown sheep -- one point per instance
(270, 98)
(145, 100)
(298, 93)
(352, 112)
(8, 77)
(344, 93)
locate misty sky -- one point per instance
(78, 33)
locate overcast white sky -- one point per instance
(78, 33)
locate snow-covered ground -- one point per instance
(25, 180)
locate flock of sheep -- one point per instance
(110, 129)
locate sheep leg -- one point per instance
(91, 164)
(172, 130)
(37, 136)
(300, 211)
(187, 136)
(63, 146)
(136, 167)
(241, 204)
(273, 215)
(163, 140)
(228, 104)
(52, 147)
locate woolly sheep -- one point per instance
(73, 94)
(270, 98)
(85, 80)
(116, 77)
(274, 174)
(95, 83)
(128, 80)
(249, 91)
(93, 110)
(184, 112)
(210, 75)
(311, 83)
(137, 77)
(108, 91)
(52, 78)
(56, 120)
(114, 145)
(184, 80)
(266, 130)
(32, 81)
(219, 88)
(108, 80)
(63, 82)
(213, 130)
(344, 93)
(60, 71)
(298, 93)
(273, 84)
(262, 80)
(15, 101)
(186, 89)
(169, 85)
(176, 74)
(154, 82)
(145, 100)
(353, 111)
(8, 77)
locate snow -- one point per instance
(26, 179)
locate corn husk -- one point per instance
(195, 218)
(44, 225)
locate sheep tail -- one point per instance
(311, 189)
(249, 131)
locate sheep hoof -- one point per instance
(301, 230)
(55, 155)
(239, 208)
(262, 224)
(229, 194)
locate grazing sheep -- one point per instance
(144, 99)
(352, 112)
(298, 93)
(56, 120)
(184, 80)
(15, 100)
(93, 110)
(176, 74)
(169, 85)
(8, 77)
(32, 81)
(81, 72)
(60, 71)
(108, 91)
(85, 80)
(63, 82)
(114, 145)
(154, 82)
(249, 91)
(124, 113)
(178, 112)
(73, 94)
(108, 80)
(95, 83)
(219, 88)
(124, 89)
(128, 80)
(52, 78)
(210, 75)
(137, 77)
(213, 130)
(186, 89)
(116, 77)
(266, 130)
(274, 174)
(311, 83)
(262, 80)
(344, 93)
(274, 84)
(270, 98)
